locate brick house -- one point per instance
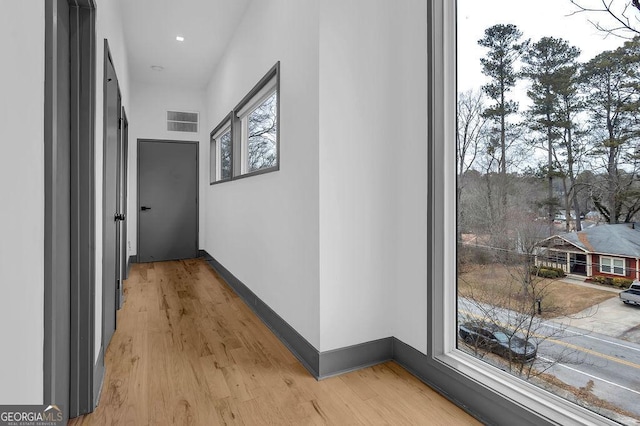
(606, 250)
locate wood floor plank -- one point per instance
(188, 351)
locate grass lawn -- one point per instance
(499, 285)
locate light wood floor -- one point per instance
(188, 351)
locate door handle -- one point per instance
(118, 216)
(145, 208)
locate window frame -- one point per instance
(267, 85)
(215, 157)
(486, 391)
(612, 266)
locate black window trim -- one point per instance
(485, 391)
(236, 132)
(274, 72)
(226, 121)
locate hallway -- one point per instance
(187, 350)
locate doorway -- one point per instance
(57, 214)
(69, 229)
(122, 184)
(167, 200)
(111, 198)
(578, 264)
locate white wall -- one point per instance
(148, 120)
(357, 177)
(335, 242)
(264, 229)
(410, 68)
(372, 171)
(22, 189)
(108, 26)
(340, 247)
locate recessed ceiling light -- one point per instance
(157, 67)
(179, 38)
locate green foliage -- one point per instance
(504, 49)
(547, 272)
(622, 282)
(614, 282)
(551, 67)
(603, 280)
(610, 82)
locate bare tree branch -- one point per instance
(625, 26)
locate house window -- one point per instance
(491, 97)
(612, 265)
(221, 152)
(556, 257)
(258, 118)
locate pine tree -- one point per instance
(551, 67)
(503, 42)
(611, 80)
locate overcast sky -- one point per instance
(535, 19)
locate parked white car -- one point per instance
(632, 295)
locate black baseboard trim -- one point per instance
(98, 378)
(320, 364)
(326, 364)
(471, 396)
(329, 363)
(418, 364)
(350, 358)
(298, 345)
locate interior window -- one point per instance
(262, 132)
(259, 124)
(221, 150)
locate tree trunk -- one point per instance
(550, 174)
(612, 175)
(567, 206)
(572, 177)
(503, 154)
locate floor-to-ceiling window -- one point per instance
(547, 129)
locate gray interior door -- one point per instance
(123, 148)
(167, 200)
(57, 255)
(110, 254)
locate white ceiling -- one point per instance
(150, 30)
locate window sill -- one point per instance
(220, 181)
(246, 175)
(257, 172)
(501, 385)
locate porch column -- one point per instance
(567, 266)
(589, 272)
(637, 270)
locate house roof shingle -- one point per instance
(620, 239)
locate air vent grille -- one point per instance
(180, 121)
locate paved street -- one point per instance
(611, 318)
(578, 355)
(577, 358)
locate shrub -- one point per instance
(603, 280)
(560, 271)
(622, 282)
(547, 272)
